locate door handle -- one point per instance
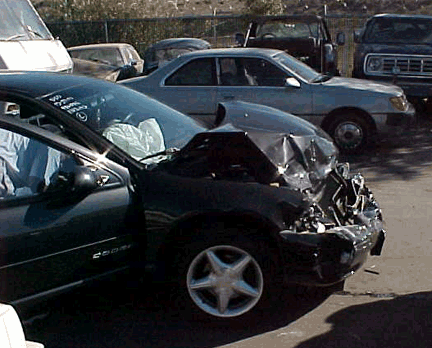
(228, 97)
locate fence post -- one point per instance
(214, 26)
(106, 31)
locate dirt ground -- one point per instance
(386, 304)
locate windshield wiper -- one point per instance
(34, 32)
(168, 152)
(14, 37)
(19, 36)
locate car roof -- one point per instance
(99, 45)
(236, 51)
(394, 15)
(180, 42)
(302, 17)
(36, 84)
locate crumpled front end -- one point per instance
(343, 223)
(334, 237)
(328, 220)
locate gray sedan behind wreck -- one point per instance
(354, 112)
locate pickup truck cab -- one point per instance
(307, 38)
(398, 49)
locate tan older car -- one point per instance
(121, 57)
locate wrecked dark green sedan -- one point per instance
(97, 179)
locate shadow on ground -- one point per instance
(402, 322)
(134, 318)
(402, 156)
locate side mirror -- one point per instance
(85, 180)
(239, 39)
(74, 185)
(356, 34)
(292, 82)
(340, 39)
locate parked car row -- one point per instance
(119, 61)
(97, 178)
(355, 113)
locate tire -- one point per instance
(351, 133)
(225, 278)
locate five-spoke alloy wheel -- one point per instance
(225, 281)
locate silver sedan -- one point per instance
(354, 112)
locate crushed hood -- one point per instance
(302, 161)
(300, 153)
(274, 148)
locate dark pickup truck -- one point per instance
(307, 38)
(397, 49)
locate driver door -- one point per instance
(57, 230)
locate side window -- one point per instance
(265, 73)
(113, 56)
(84, 54)
(199, 72)
(29, 114)
(131, 54)
(234, 72)
(29, 167)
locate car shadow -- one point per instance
(135, 317)
(402, 156)
(402, 322)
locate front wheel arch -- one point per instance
(354, 115)
(189, 229)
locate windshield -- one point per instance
(299, 68)
(397, 30)
(20, 21)
(286, 28)
(139, 125)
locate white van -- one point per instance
(26, 43)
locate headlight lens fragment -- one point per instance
(399, 103)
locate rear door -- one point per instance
(191, 89)
(54, 236)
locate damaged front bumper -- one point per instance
(326, 257)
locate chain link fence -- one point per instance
(218, 30)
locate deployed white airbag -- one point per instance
(139, 142)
